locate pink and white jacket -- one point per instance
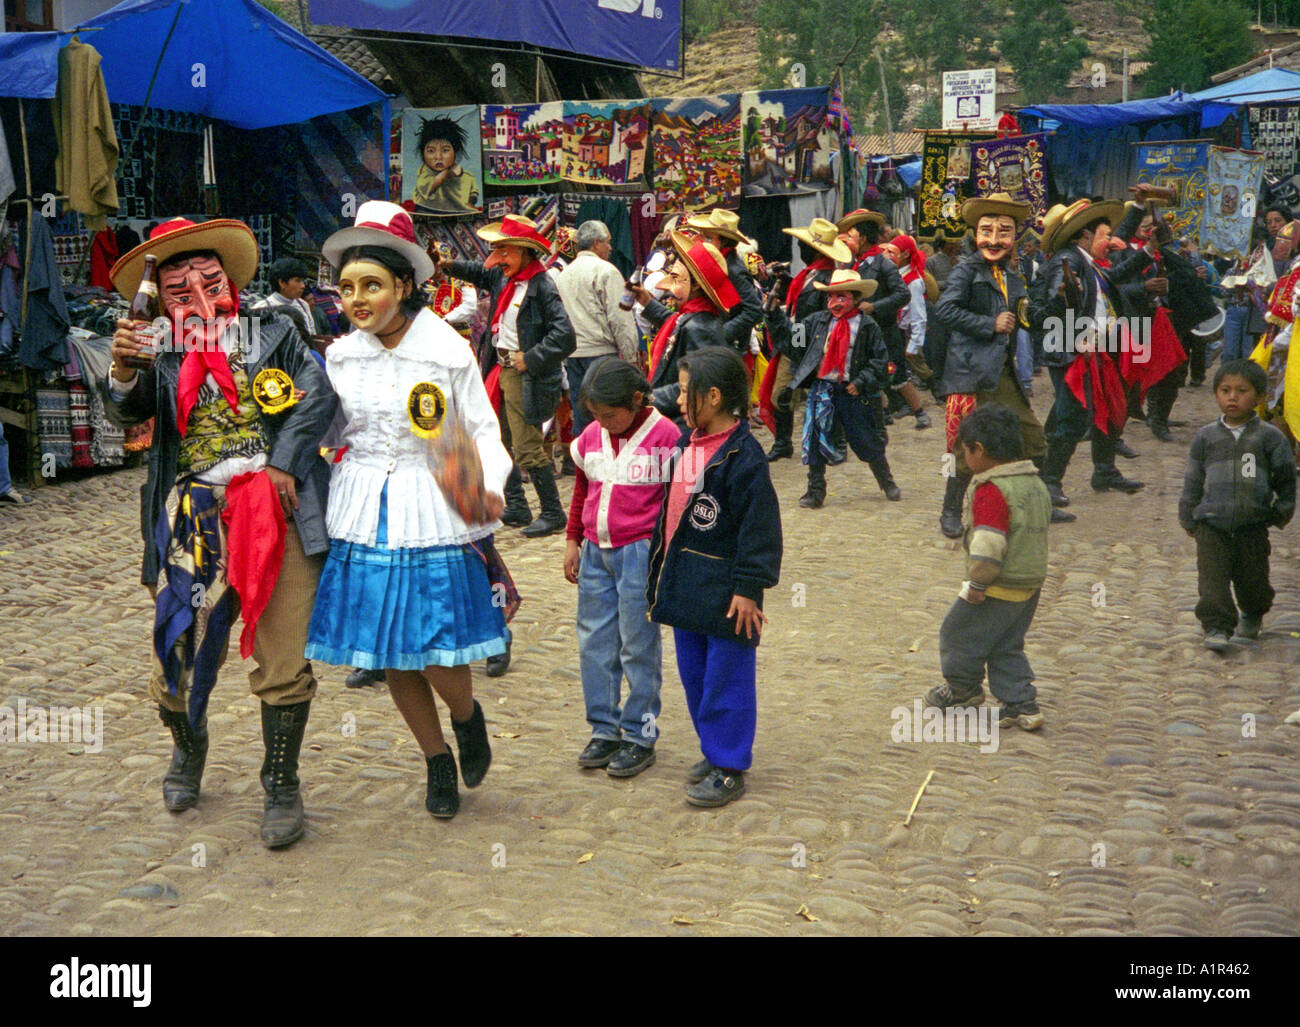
(625, 479)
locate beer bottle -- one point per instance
(629, 297)
(145, 307)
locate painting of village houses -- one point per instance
(788, 141)
(696, 146)
(606, 143)
(522, 143)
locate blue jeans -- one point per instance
(6, 483)
(575, 369)
(1025, 359)
(1237, 342)
(617, 638)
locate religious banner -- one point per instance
(1232, 194)
(1016, 166)
(788, 140)
(606, 143)
(945, 182)
(1180, 166)
(696, 152)
(1275, 130)
(441, 154)
(522, 143)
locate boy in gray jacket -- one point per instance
(1240, 479)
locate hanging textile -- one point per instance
(606, 143)
(945, 183)
(696, 152)
(1182, 166)
(443, 159)
(1232, 192)
(43, 344)
(88, 152)
(522, 143)
(1015, 166)
(787, 138)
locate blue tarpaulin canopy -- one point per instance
(1266, 86)
(229, 60)
(1112, 115)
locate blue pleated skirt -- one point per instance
(404, 609)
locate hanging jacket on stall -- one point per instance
(43, 346)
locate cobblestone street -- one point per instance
(1161, 797)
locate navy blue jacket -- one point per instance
(728, 542)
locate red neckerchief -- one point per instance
(796, 286)
(508, 290)
(698, 304)
(837, 346)
(201, 360)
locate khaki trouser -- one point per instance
(1007, 392)
(784, 376)
(282, 676)
(525, 438)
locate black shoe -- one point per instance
(950, 524)
(517, 516)
(599, 752)
(282, 730)
(781, 449)
(717, 789)
(545, 524)
(1059, 498)
(812, 500)
(943, 697)
(361, 678)
(189, 755)
(816, 494)
(1115, 482)
(1059, 516)
(441, 796)
(1125, 450)
(630, 761)
(473, 746)
(950, 519)
(699, 771)
(922, 419)
(1024, 715)
(1160, 430)
(498, 665)
(892, 492)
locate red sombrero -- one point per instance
(708, 268)
(232, 241)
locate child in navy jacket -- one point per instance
(716, 547)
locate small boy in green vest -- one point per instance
(1007, 510)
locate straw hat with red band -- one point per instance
(708, 267)
(380, 223)
(232, 241)
(517, 231)
(856, 217)
(725, 222)
(845, 280)
(997, 205)
(1064, 221)
(824, 237)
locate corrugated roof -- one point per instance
(885, 145)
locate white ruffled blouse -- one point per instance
(373, 386)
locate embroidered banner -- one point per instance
(1231, 198)
(696, 147)
(441, 147)
(522, 143)
(1016, 166)
(788, 140)
(945, 182)
(1182, 167)
(606, 143)
(1275, 130)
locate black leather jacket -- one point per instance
(750, 311)
(294, 436)
(693, 331)
(891, 294)
(868, 360)
(969, 306)
(546, 335)
(1048, 309)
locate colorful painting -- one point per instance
(1275, 130)
(1016, 166)
(522, 143)
(441, 148)
(606, 143)
(787, 140)
(1181, 166)
(696, 147)
(946, 182)
(1232, 192)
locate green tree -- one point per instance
(1038, 44)
(819, 35)
(1192, 40)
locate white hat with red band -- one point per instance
(380, 223)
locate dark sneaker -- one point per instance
(1247, 629)
(699, 771)
(781, 449)
(943, 696)
(1218, 641)
(362, 678)
(599, 752)
(1024, 715)
(922, 419)
(442, 797)
(717, 789)
(630, 760)
(1057, 494)
(498, 665)
(1126, 451)
(1115, 482)
(1060, 516)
